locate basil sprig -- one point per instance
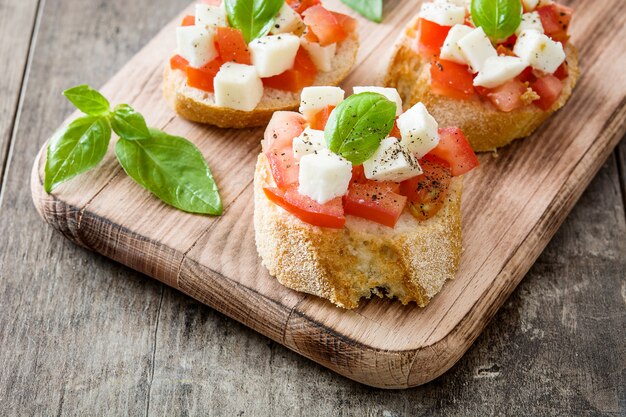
(358, 125)
(170, 167)
(253, 17)
(370, 9)
(498, 18)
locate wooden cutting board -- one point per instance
(512, 207)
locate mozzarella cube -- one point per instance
(322, 56)
(309, 141)
(530, 21)
(539, 51)
(443, 13)
(238, 87)
(196, 45)
(476, 48)
(450, 49)
(498, 70)
(287, 20)
(418, 130)
(274, 54)
(324, 176)
(530, 4)
(314, 99)
(390, 93)
(210, 16)
(391, 162)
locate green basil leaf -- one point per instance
(173, 169)
(128, 123)
(358, 124)
(370, 9)
(253, 17)
(498, 18)
(76, 149)
(88, 100)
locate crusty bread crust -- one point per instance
(485, 127)
(410, 262)
(199, 106)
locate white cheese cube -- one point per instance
(498, 70)
(450, 49)
(530, 21)
(419, 130)
(443, 13)
(322, 56)
(476, 48)
(210, 16)
(539, 51)
(324, 176)
(274, 54)
(238, 87)
(391, 162)
(314, 99)
(308, 142)
(196, 45)
(390, 93)
(287, 20)
(530, 4)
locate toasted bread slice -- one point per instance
(486, 127)
(199, 106)
(411, 261)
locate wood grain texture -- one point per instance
(382, 343)
(17, 25)
(554, 348)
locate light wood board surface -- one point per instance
(512, 206)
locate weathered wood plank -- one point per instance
(513, 206)
(76, 330)
(553, 349)
(17, 25)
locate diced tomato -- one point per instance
(177, 62)
(555, 19)
(346, 22)
(189, 21)
(432, 37)
(562, 72)
(232, 46)
(310, 36)
(301, 75)
(202, 78)
(374, 202)
(527, 76)
(427, 193)
(509, 43)
(319, 119)
(308, 210)
(508, 96)
(358, 177)
(301, 5)
(504, 50)
(395, 131)
(455, 149)
(451, 79)
(549, 89)
(283, 127)
(284, 166)
(325, 25)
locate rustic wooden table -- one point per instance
(80, 334)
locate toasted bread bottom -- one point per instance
(486, 127)
(411, 261)
(199, 106)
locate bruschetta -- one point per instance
(355, 197)
(229, 72)
(495, 89)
